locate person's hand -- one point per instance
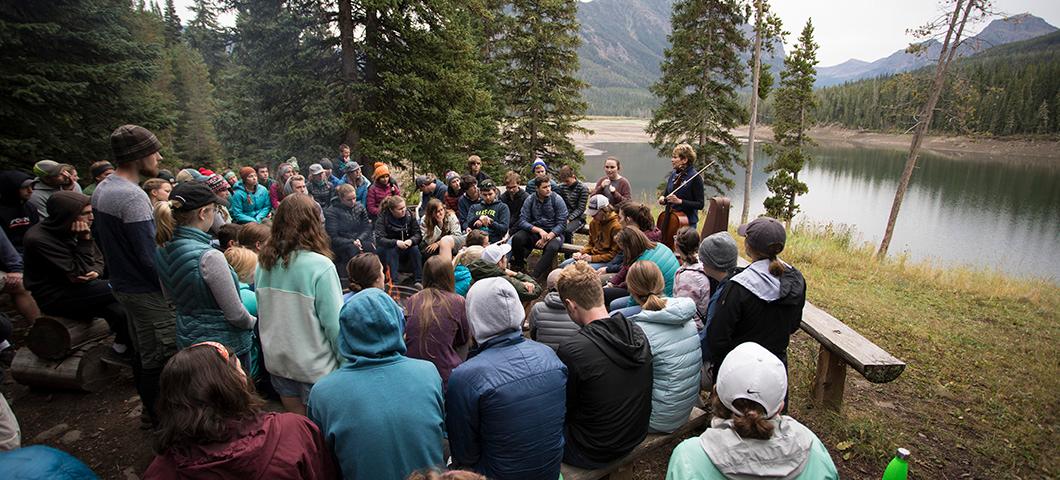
(432, 247)
(81, 229)
(88, 277)
(13, 279)
(606, 182)
(357, 243)
(529, 287)
(601, 270)
(485, 220)
(673, 200)
(403, 244)
(540, 243)
(551, 236)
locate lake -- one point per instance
(977, 210)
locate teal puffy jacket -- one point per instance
(199, 318)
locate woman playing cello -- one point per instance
(687, 200)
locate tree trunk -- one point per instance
(55, 338)
(949, 48)
(349, 73)
(81, 371)
(755, 72)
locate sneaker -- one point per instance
(123, 360)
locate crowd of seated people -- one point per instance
(227, 289)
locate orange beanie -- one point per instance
(380, 170)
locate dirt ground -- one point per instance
(622, 130)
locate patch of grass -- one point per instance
(980, 392)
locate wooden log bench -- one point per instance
(55, 338)
(622, 469)
(81, 371)
(842, 346)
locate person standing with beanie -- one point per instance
(196, 276)
(124, 229)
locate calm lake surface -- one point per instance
(980, 211)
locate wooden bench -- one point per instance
(622, 469)
(842, 346)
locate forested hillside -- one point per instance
(1006, 90)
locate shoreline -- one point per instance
(631, 130)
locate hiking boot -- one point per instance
(123, 360)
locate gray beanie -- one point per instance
(493, 308)
(719, 252)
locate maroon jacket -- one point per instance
(273, 446)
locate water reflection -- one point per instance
(974, 210)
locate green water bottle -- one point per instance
(898, 469)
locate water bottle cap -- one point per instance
(902, 453)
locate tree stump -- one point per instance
(81, 371)
(55, 338)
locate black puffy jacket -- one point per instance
(390, 230)
(345, 224)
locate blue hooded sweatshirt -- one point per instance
(381, 413)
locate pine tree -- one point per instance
(538, 87)
(205, 34)
(1043, 118)
(794, 103)
(72, 73)
(173, 27)
(700, 74)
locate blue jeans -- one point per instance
(392, 257)
(620, 303)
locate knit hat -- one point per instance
(718, 251)
(216, 183)
(537, 162)
(450, 176)
(206, 172)
(596, 202)
(246, 172)
(231, 176)
(189, 175)
(47, 168)
(765, 235)
(494, 253)
(380, 170)
(133, 142)
(751, 372)
(326, 164)
(493, 308)
(101, 168)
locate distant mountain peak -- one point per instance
(1000, 31)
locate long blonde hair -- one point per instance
(645, 283)
(244, 261)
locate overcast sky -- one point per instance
(845, 29)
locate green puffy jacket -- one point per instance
(482, 269)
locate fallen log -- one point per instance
(81, 371)
(55, 338)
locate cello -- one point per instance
(670, 221)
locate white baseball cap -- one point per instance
(596, 202)
(750, 371)
(494, 253)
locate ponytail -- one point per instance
(164, 223)
(646, 284)
(751, 422)
(776, 267)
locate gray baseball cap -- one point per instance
(764, 235)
